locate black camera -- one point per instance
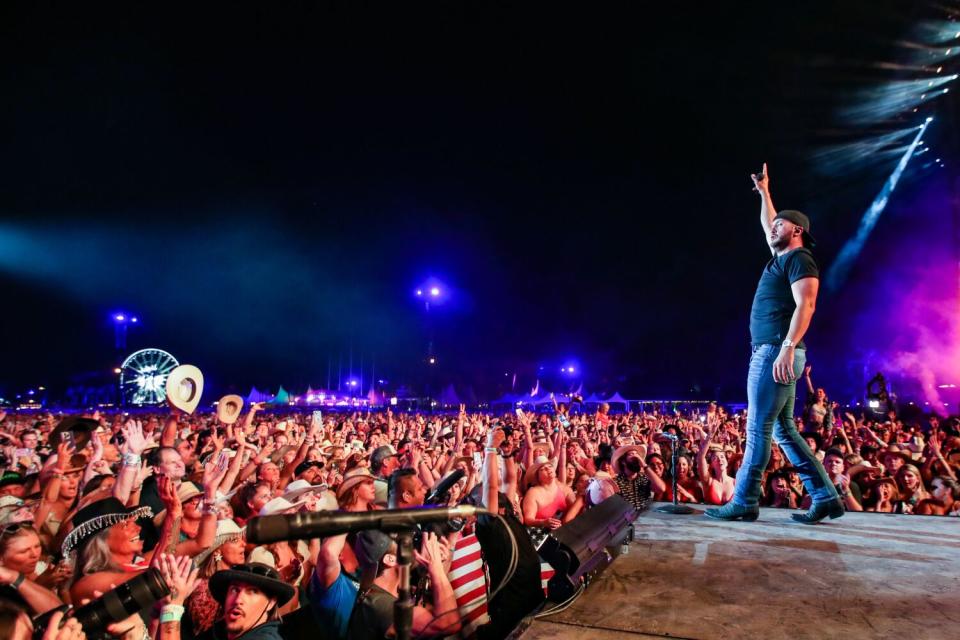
(115, 605)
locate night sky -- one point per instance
(266, 187)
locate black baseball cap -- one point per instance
(801, 220)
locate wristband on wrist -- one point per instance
(171, 613)
(131, 460)
(490, 449)
(19, 581)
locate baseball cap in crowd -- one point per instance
(381, 453)
(11, 478)
(370, 547)
(801, 220)
(303, 466)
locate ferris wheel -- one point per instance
(143, 376)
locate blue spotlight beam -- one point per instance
(840, 269)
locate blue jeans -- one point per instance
(770, 412)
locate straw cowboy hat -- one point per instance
(531, 475)
(353, 478)
(184, 388)
(227, 530)
(228, 408)
(622, 451)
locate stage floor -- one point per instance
(865, 575)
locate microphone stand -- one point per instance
(676, 507)
(403, 607)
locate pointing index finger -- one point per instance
(764, 168)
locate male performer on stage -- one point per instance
(782, 308)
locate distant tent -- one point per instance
(449, 396)
(282, 397)
(616, 398)
(256, 395)
(470, 397)
(593, 398)
(511, 399)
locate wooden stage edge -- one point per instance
(864, 575)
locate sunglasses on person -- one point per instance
(15, 527)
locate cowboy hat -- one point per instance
(531, 475)
(79, 427)
(77, 462)
(298, 488)
(279, 505)
(186, 491)
(227, 530)
(353, 478)
(624, 450)
(256, 574)
(98, 516)
(228, 408)
(184, 388)
(897, 453)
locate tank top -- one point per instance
(549, 510)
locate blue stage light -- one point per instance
(848, 255)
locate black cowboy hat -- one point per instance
(257, 574)
(81, 428)
(96, 517)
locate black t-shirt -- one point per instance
(773, 304)
(150, 497)
(523, 593)
(372, 615)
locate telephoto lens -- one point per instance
(115, 605)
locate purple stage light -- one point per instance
(119, 317)
(133, 319)
(419, 292)
(434, 291)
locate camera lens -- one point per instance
(118, 604)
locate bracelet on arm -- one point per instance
(171, 613)
(131, 460)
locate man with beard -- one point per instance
(782, 309)
(635, 481)
(251, 595)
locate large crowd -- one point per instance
(89, 502)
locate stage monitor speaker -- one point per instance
(580, 549)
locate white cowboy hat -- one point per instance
(279, 505)
(624, 450)
(297, 488)
(227, 530)
(228, 408)
(184, 387)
